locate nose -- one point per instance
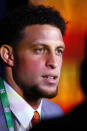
(52, 61)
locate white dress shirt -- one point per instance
(22, 111)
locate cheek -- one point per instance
(27, 62)
(59, 64)
(35, 66)
(32, 65)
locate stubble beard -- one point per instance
(34, 93)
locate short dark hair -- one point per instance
(12, 26)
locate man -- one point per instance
(77, 118)
(31, 55)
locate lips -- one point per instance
(50, 78)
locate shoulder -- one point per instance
(52, 109)
(51, 104)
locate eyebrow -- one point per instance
(42, 44)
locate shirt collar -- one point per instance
(20, 108)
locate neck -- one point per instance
(33, 102)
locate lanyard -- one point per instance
(6, 107)
(41, 116)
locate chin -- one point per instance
(39, 92)
(50, 95)
(51, 92)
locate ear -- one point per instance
(6, 53)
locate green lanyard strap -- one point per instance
(41, 116)
(6, 107)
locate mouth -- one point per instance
(50, 78)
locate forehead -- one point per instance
(42, 35)
(43, 32)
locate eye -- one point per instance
(59, 52)
(39, 50)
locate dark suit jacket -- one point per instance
(49, 110)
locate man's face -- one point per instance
(38, 60)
